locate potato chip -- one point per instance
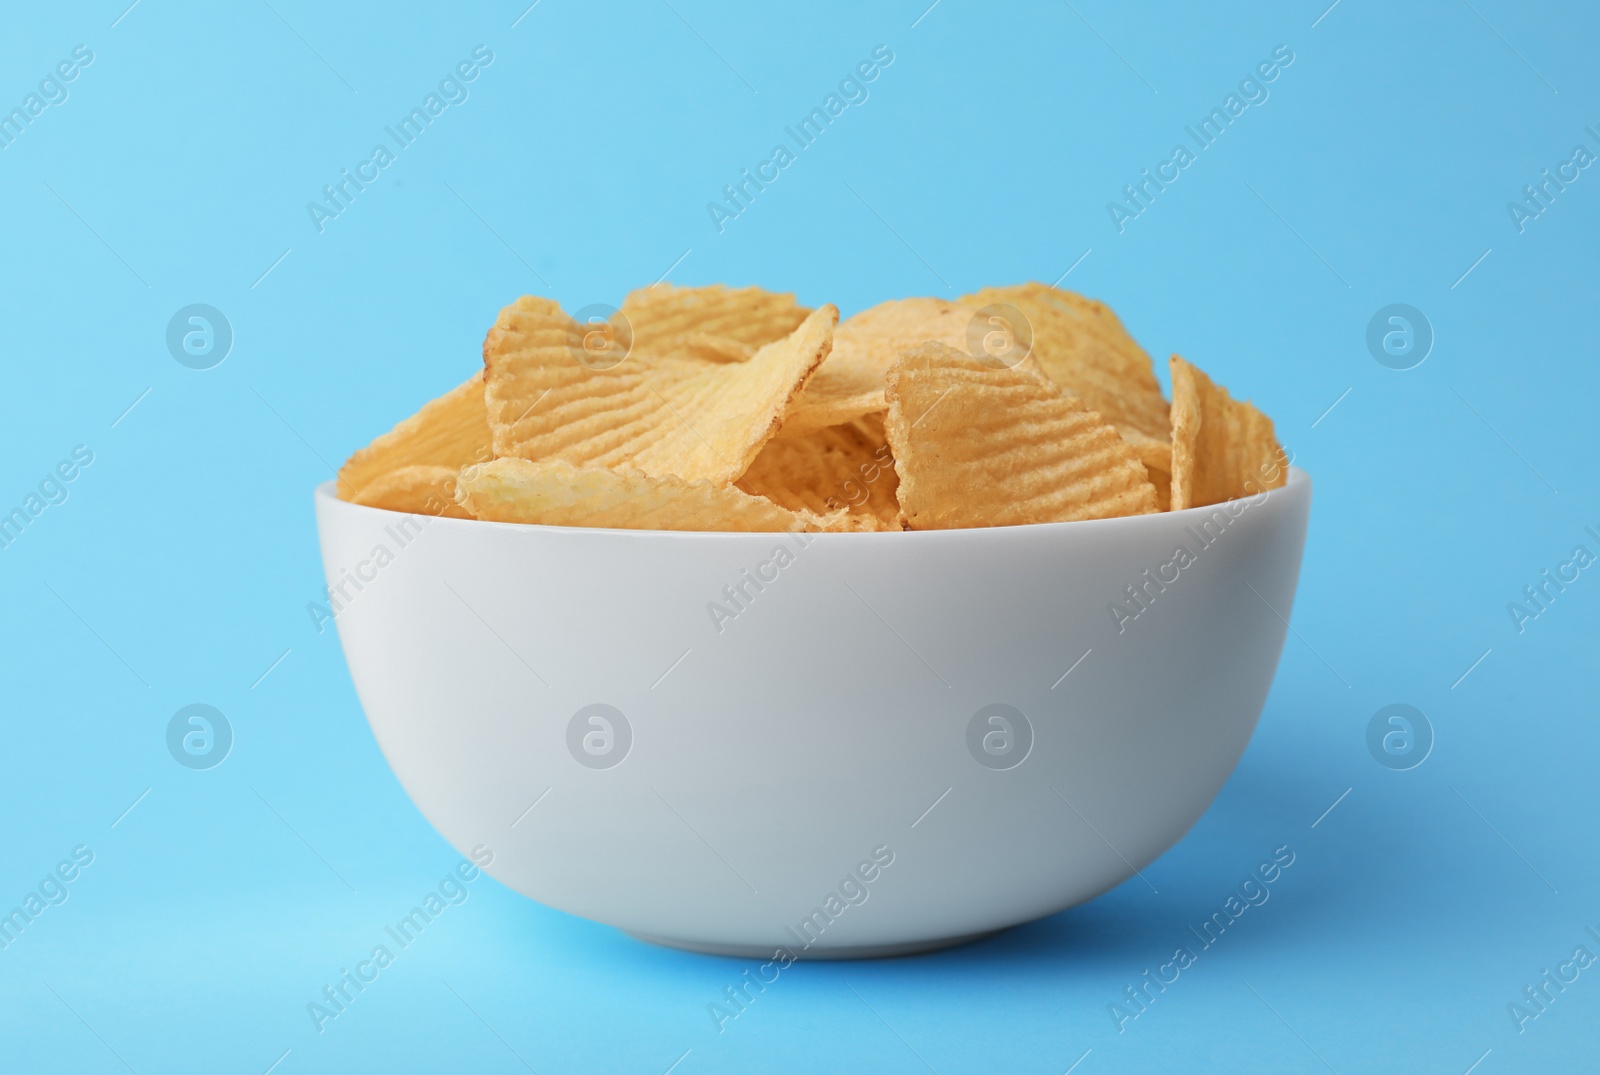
(850, 383)
(1156, 455)
(558, 493)
(709, 321)
(1081, 346)
(711, 408)
(710, 348)
(450, 431)
(550, 398)
(844, 466)
(1221, 448)
(976, 446)
(1161, 481)
(419, 490)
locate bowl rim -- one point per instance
(1297, 482)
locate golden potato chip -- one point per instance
(850, 383)
(844, 466)
(1156, 456)
(709, 321)
(1221, 448)
(420, 490)
(976, 446)
(559, 493)
(551, 398)
(711, 348)
(450, 431)
(1081, 346)
(1161, 481)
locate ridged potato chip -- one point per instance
(419, 490)
(450, 431)
(710, 348)
(1156, 455)
(714, 322)
(1081, 346)
(680, 416)
(1161, 481)
(844, 466)
(1222, 448)
(558, 493)
(712, 408)
(851, 382)
(976, 446)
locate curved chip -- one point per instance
(1081, 346)
(976, 446)
(450, 431)
(709, 321)
(557, 493)
(851, 382)
(418, 490)
(840, 467)
(1156, 455)
(710, 348)
(1222, 448)
(550, 397)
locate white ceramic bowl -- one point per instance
(889, 743)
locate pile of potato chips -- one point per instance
(713, 408)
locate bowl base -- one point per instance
(819, 951)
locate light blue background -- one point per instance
(180, 568)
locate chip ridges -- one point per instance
(716, 408)
(665, 415)
(1080, 344)
(450, 431)
(418, 490)
(850, 383)
(667, 319)
(976, 446)
(1222, 448)
(559, 493)
(839, 467)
